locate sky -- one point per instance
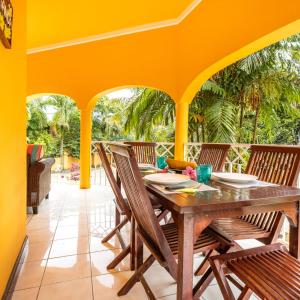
(124, 93)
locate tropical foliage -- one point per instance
(247, 102)
(255, 100)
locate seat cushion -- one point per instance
(35, 152)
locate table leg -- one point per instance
(185, 256)
(294, 239)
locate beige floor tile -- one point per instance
(37, 251)
(72, 221)
(67, 268)
(100, 260)
(30, 275)
(80, 289)
(41, 235)
(69, 247)
(28, 294)
(160, 281)
(42, 224)
(66, 232)
(107, 287)
(97, 245)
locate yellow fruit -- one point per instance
(180, 164)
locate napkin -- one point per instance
(256, 183)
(187, 190)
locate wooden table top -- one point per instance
(226, 198)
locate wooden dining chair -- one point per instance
(269, 271)
(144, 152)
(214, 154)
(161, 240)
(274, 164)
(122, 209)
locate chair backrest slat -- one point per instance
(214, 154)
(121, 204)
(138, 198)
(144, 152)
(275, 164)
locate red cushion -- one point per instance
(35, 152)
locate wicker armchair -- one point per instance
(38, 181)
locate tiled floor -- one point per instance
(66, 259)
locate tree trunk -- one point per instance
(257, 111)
(62, 159)
(241, 121)
(203, 132)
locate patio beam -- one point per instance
(85, 148)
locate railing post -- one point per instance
(85, 148)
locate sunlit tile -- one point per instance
(107, 287)
(69, 247)
(31, 274)
(37, 251)
(72, 221)
(28, 294)
(67, 268)
(40, 235)
(76, 290)
(66, 232)
(97, 245)
(100, 260)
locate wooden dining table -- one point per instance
(194, 212)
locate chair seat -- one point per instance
(206, 241)
(238, 229)
(269, 271)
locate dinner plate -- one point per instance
(167, 178)
(234, 177)
(145, 166)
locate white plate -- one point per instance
(167, 178)
(235, 177)
(145, 166)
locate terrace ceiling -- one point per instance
(174, 56)
(56, 22)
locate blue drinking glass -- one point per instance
(161, 162)
(204, 173)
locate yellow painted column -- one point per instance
(85, 148)
(181, 129)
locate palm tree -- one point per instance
(64, 107)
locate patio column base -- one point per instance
(85, 148)
(181, 130)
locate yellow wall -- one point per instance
(13, 146)
(174, 59)
(72, 19)
(81, 72)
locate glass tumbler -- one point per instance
(204, 173)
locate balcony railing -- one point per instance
(236, 162)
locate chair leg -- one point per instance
(203, 283)
(35, 210)
(205, 263)
(119, 258)
(246, 293)
(147, 289)
(47, 196)
(162, 215)
(136, 276)
(221, 279)
(114, 231)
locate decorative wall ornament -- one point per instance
(6, 17)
